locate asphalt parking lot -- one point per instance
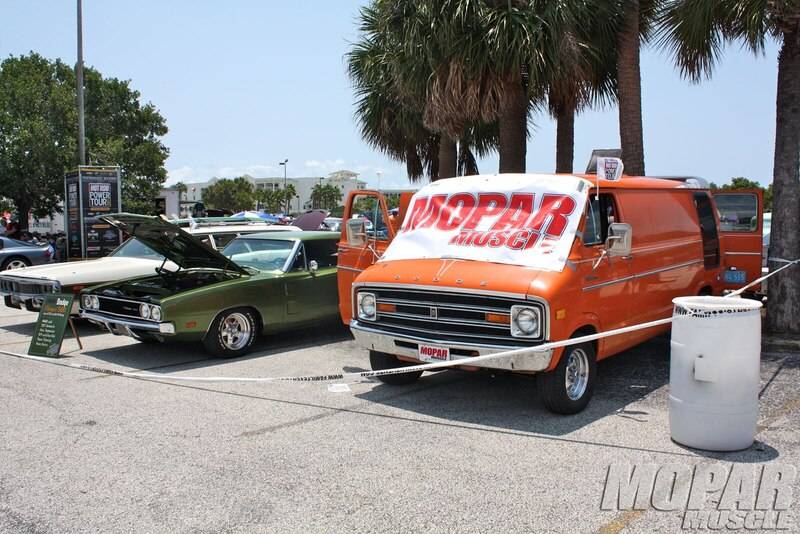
(456, 452)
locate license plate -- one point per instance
(735, 277)
(432, 353)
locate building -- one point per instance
(346, 181)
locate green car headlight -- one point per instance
(144, 311)
(155, 313)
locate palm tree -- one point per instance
(389, 107)
(388, 122)
(584, 74)
(696, 33)
(288, 194)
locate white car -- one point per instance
(25, 288)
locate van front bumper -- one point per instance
(372, 338)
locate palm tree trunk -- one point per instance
(448, 157)
(565, 139)
(784, 289)
(513, 125)
(630, 93)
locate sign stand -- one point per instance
(75, 333)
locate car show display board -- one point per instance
(90, 193)
(51, 325)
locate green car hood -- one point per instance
(171, 242)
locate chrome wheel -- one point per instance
(16, 264)
(577, 375)
(235, 331)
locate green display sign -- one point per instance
(51, 325)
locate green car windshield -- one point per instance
(261, 254)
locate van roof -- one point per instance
(639, 182)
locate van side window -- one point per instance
(600, 213)
(708, 230)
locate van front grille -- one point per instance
(449, 316)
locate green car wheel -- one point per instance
(232, 333)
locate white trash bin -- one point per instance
(714, 372)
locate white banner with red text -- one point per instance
(518, 219)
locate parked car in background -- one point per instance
(26, 289)
(260, 283)
(333, 224)
(15, 254)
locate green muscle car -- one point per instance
(259, 283)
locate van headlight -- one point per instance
(525, 321)
(366, 306)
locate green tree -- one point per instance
(236, 195)
(270, 199)
(697, 32)
(331, 196)
(37, 133)
(38, 121)
(288, 194)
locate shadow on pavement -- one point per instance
(509, 401)
(157, 357)
(85, 328)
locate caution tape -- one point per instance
(385, 372)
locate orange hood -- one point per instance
(462, 274)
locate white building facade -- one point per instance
(345, 180)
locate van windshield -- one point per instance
(522, 219)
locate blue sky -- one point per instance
(244, 84)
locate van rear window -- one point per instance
(737, 212)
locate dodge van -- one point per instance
(483, 264)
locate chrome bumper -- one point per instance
(374, 339)
(122, 327)
(33, 302)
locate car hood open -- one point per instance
(171, 242)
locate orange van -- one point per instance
(479, 265)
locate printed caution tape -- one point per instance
(372, 374)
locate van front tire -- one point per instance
(568, 388)
(380, 361)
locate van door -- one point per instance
(606, 285)
(740, 227)
(367, 230)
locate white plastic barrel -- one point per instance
(714, 372)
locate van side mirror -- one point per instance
(313, 266)
(620, 238)
(356, 232)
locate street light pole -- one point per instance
(79, 76)
(285, 198)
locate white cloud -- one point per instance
(189, 174)
(393, 174)
(325, 166)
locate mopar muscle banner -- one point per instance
(92, 192)
(518, 219)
